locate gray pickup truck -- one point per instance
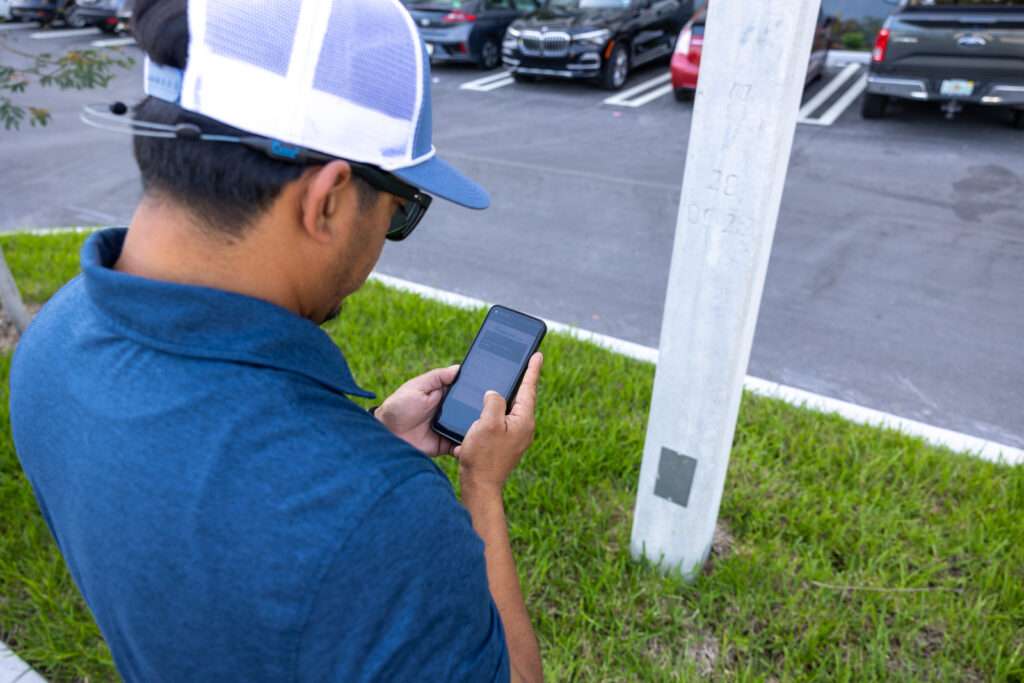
(950, 51)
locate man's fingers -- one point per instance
(526, 399)
(494, 409)
(441, 378)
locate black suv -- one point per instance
(594, 39)
(950, 51)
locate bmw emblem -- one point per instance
(972, 40)
(424, 22)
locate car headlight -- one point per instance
(599, 37)
(512, 33)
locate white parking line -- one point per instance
(19, 27)
(841, 105)
(50, 35)
(633, 98)
(828, 91)
(113, 42)
(489, 83)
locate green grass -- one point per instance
(810, 500)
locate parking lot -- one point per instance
(898, 266)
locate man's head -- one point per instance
(339, 82)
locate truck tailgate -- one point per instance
(961, 44)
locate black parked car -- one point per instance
(594, 39)
(101, 13)
(75, 13)
(40, 10)
(466, 30)
(952, 51)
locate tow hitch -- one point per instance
(952, 108)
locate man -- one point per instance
(227, 512)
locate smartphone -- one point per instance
(496, 361)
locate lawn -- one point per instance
(846, 552)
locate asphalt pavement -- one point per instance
(896, 279)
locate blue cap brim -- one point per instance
(439, 178)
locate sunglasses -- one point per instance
(411, 211)
(406, 217)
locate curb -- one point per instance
(975, 446)
(956, 441)
(844, 57)
(14, 670)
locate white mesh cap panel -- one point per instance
(342, 77)
(258, 32)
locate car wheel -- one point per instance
(616, 69)
(874, 106)
(490, 55)
(75, 20)
(684, 95)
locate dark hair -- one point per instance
(225, 186)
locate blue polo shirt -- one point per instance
(228, 513)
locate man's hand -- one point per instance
(408, 411)
(496, 442)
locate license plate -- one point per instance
(957, 88)
(430, 49)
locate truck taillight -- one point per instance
(881, 46)
(458, 17)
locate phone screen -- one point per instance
(496, 361)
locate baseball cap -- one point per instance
(346, 78)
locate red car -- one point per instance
(686, 60)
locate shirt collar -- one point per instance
(209, 323)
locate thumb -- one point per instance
(494, 408)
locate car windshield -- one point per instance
(588, 4)
(963, 4)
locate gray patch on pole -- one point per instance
(675, 477)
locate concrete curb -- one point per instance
(14, 670)
(844, 57)
(965, 443)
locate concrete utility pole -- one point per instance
(753, 68)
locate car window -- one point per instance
(497, 4)
(526, 5)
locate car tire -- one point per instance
(74, 19)
(684, 95)
(615, 71)
(874, 106)
(490, 55)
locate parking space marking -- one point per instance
(828, 91)
(19, 27)
(489, 83)
(841, 105)
(114, 42)
(633, 96)
(50, 35)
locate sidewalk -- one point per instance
(13, 669)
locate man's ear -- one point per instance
(322, 198)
